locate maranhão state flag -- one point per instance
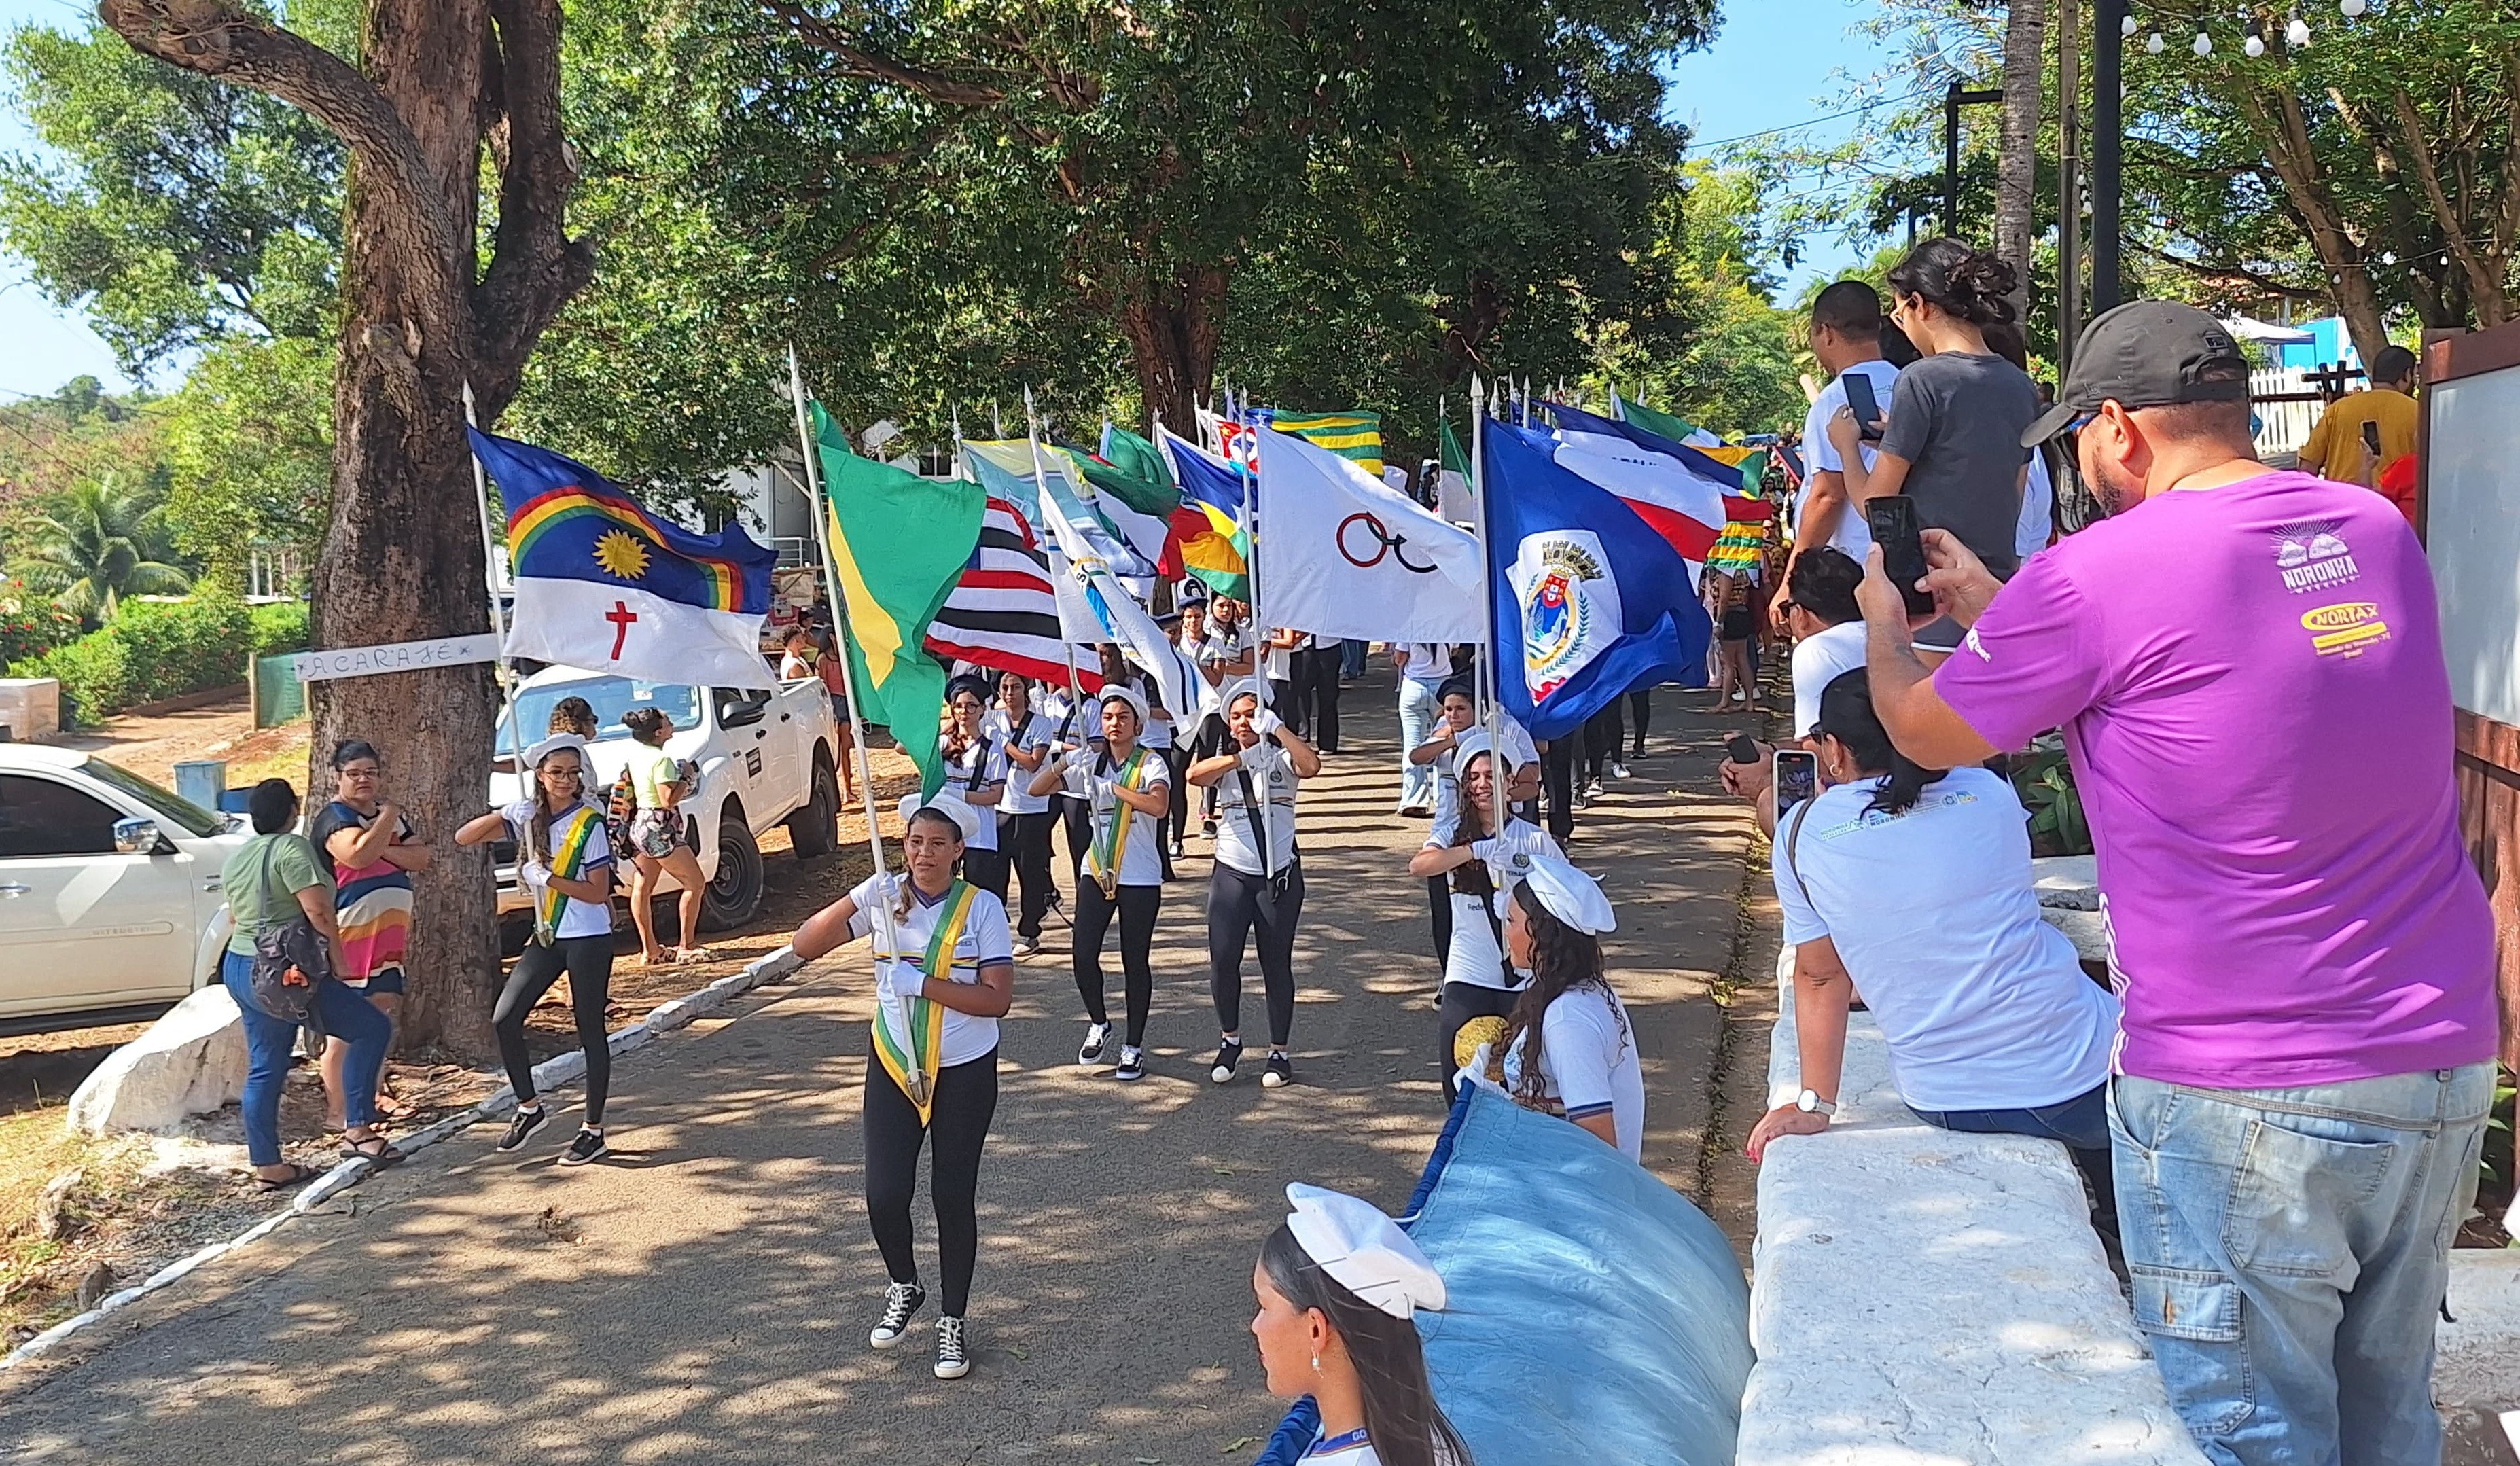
(605, 585)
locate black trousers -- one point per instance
(1177, 819)
(987, 868)
(1603, 734)
(588, 961)
(1135, 907)
(1077, 819)
(1558, 782)
(1462, 1002)
(1238, 903)
(1211, 741)
(1317, 673)
(1287, 698)
(1025, 839)
(1640, 713)
(966, 1100)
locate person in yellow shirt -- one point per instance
(2339, 447)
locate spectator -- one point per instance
(1317, 681)
(1953, 444)
(659, 783)
(2037, 524)
(797, 662)
(1846, 339)
(1991, 1025)
(1828, 627)
(574, 716)
(1424, 668)
(373, 847)
(2397, 484)
(2339, 447)
(1735, 623)
(2248, 667)
(273, 879)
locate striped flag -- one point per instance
(1355, 436)
(1003, 614)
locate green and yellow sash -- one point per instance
(568, 839)
(924, 1043)
(1111, 842)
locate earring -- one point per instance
(1317, 1363)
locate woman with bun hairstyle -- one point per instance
(1953, 442)
(947, 979)
(656, 837)
(1339, 1286)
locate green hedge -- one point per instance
(279, 627)
(151, 651)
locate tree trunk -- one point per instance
(2016, 188)
(2279, 119)
(1172, 321)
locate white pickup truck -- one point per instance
(765, 758)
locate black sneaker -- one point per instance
(1279, 1074)
(1228, 1054)
(901, 1302)
(953, 1358)
(1098, 1036)
(588, 1146)
(525, 1124)
(1133, 1065)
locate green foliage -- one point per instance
(151, 651)
(2044, 781)
(278, 627)
(31, 624)
(50, 444)
(97, 542)
(249, 441)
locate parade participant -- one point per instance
(1481, 857)
(941, 988)
(1229, 651)
(977, 760)
(574, 716)
(1317, 682)
(564, 864)
(1259, 877)
(1424, 666)
(1127, 788)
(1568, 1045)
(1340, 1285)
(373, 847)
(1023, 831)
(655, 835)
(1157, 736)
(1075, 723)
(1460, 711)
(1280, 655)
(273, 879)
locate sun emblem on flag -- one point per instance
(621, 554)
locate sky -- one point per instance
(1773, 64)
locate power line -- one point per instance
(1816, 121)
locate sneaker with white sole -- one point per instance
(1228, 1054)
(1133, 1064)
(1026, 945)
(1281, 1071)
(901, 1302)
(1619, 771)
(588, 1146)
(953, 1350)
(525, 1124)
(1098, 1036)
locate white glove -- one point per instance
(1484, 851)
(899, 980)
(1266, 723)
(534, 876)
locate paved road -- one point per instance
(705, 1295)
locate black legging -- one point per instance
(1137, 907)
(1177, 758)
(588, 960)
(966, 1098)
(1209, 743)
(1439, 912)
(987, 868)
(1077, 819)
(1602, 733)
(1557, 780)
(1317, 673)
(1238, 902)
(1287, 698)
(1462, 1002)
(1025, 839)
(1640, 713)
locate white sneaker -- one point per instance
(1619, 771)
(953, 1354)
(1097, 1036)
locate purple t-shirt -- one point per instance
(2251, 685)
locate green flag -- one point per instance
(1134, 456)
(899, 543)
(1677, 429)
(1447, 445)
(1356, 435)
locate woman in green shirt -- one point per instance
(276, 877)
(656, 838)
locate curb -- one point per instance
(549, 1074)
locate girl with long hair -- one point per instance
(951, 965)
(565, 862)
(1023, 831)
(976, 760)
(1481, 855)
(1127, 788)
(1259, 877)
(1340, 1285)
(656, 845)
(1568, 1047)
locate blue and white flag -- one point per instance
(1593, 599)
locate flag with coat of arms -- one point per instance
(605, 585)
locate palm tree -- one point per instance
(99, 543)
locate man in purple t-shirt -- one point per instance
(2247, 665)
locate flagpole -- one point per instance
(917, 1078)
(1497, 802)
(498, 617)
(1247, 517)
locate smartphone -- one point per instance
(1743, 748)
(1797, 776)
(2372, 436)
(1860, 401)
(1892, 519)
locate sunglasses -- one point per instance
(2069, 437)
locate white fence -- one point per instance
(2283, 425)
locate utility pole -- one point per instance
(2069, 183)
(1953, 99)
(2108, 149)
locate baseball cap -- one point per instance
(2147, 353)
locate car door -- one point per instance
(82, 925)
(745, 719)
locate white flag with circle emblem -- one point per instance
(1341, 554)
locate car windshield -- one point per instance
(172, 808)
(612, 697)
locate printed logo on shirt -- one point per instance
(1949, 799)
(2345, 628)
(1974, 644)
(2311, 556)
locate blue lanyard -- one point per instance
(1348, 1442)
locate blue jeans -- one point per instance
(1352, 658)
(1418, 712)
(347, 1016)
(2289, 1250)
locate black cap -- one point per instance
(2147, 353)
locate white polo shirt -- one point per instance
(1476, 956)
(1588, 1063)
(985, 940)
(1142, 859)
(981, 768)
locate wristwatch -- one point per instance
(1810, 1103)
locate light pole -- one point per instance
(2108, 148)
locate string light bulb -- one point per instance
(2203, 45)
(2256, 45)
(2297, 34)
(2127, 26)
(2353, 7)
(2154, 45)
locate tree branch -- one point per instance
(2485, 283)
(535, 267)
(2225, 273)
(859, 62)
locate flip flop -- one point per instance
(382, 1156)
(298, 1176)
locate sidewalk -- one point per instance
(705, 1293)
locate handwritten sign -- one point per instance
(395, 657)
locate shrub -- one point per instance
(151, 651)
(31, 624)
(279, 627)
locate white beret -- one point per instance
(1570, 895)
(1113, 692)
(1256, 687)
(535, 755)
(965, 819)
(1362, 1250)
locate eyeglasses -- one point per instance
(2068, 437)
